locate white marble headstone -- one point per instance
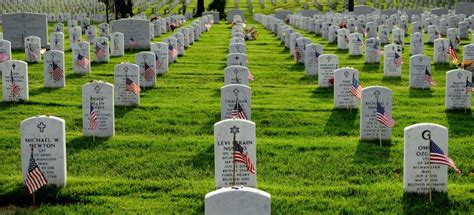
(356, 44)
(160, 49)
(417, 44)
(15, 80)
(180, 43)
(343, 38)
(237, 201)
(373, 50)
(75, 35)
(420, 66)
(237, 48)
(236, 75)
(392, 66)
(101, 49)
(54, 69)
(81, 58)
(233, 96)
(457, 96)
(33, 49)
(236, 60)
(327, 64)
(57, 41)
(343, 80)
(370, 129)
(98, 97)
(147, 63)
(172, 49)
(441, 50)
(116, 44)
(124, 73)
(91, 34)
(46, 136)
(311, 62)
(5, 51)
(225, 133)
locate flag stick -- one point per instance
(429, 172)
(34, 199)
(380, 134)
(233, 162)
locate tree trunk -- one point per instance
(200, 8)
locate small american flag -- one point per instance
(377, 49)
(35, 179)
(468, 87)
(92, 116)
(99, 52)
(397, 61)
(238, 112)
(384, 117)
(437, 35)
(15, 89)
(56, 72)
(331, 81)
(437, 156)
(356, 88)
(32, 54)
(148, 72)
(457, 40)
(250, 76)
(4, 57)
(132, 86)
(82, 61)
(452, 52)
(158, 62)
(242, 157)
(429, 78)
(132, 43)
(172, 51)
(297, 55)
(346, 38)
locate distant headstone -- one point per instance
(392, 66)
(126, 75)
(441, 50)
(33, 49)
(372, 96)
(117, 44)
(104, 30)
(136, 32)
(466, 8)
(237, 48)
(373, 50)
(398, 35)
(160, 49)
(57, 41)
(81, 58)
(232, 13)
(98, 101)
(311, 62)
(172, 49)
(457, 96)
(237, 201)
(454, 37)
(5, 51)
(237, 60)
(420, 67)
(101, 49)
(356, 44)
(281, 14)
(147, 63)
(75, 35)
(416, 44)
(343, 38)
(327, 64)
(91, 34)
(59, 27)
(15, 81)
(180, 43)
(418, 172)
(433, 33)
(44, 139)
(343, 80)
(18, 26)
(236, 75)
(468, 57)
(236, 98)
(54, 69)
(227, 133)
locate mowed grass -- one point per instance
(309, 157)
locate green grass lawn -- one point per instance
(309, 155)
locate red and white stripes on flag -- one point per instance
(132, 86)
(384, 117)
(15, 89)
(56, 72)
(437, 156)
(250, 76)
(240, 156)
(453, 54)
(149, 73)
(82, 61)
(35, 179)
(4, 57)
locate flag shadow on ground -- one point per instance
(460, 122)
(322, 93)
(420, 93)
(308, 79)
(203, 160)
(18, 196)
(370, 67)
(38, 91)
(370, 152)
(84, 143)
(414, 203)
(208, 126)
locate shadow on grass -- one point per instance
(443, 67)
(341, 122)
(460, 122)
(203, 160)
(371, 67)
(208, 126)
(420, 93)
(47, 195)
(414, 203)
(320, 92)
(70, 76)
(392, 80)
(121, 111)
(39, 91)
(85, 143)
(297, 67)
(309, 79)
(370, 151)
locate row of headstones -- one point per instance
(457, 94)
(443, 7)
(63, 6)
(15, 73)
(44, 139)
(234, 136)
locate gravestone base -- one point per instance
(237, 200)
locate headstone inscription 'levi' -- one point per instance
(44, 138)
(343, 80)
(458, 84)
(15, 80)
(327, 64)
(236, 75)
(18, 26)
(54, 75)
(420, 72)
(237, 201)
(127, 82)
(98, 109)
(136, 32)
(418, 172)
(235, 102)
(373, 98)
(231, 136)
(81, 58)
